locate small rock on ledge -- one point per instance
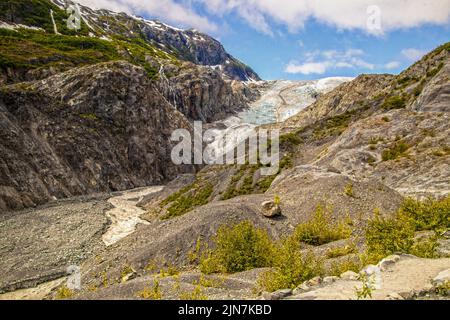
(270, 209)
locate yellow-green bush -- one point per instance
(153, 293)
(291, 267)
(239, 248)
(348, 264)
(341, 251)
(64, 293)
(388, 236)
(322, 229)
(429, 214)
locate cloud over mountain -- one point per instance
(267, 15)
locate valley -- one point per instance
(359, 208)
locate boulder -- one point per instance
(270, 209)
(442, 278)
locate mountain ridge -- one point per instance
(188, 45)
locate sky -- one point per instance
(308, 39)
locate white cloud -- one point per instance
(392, 65)
(343, 14)
(307, 68)
(170, 11)
(319, 62)
(413, 54)
(266, 15)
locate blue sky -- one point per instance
(269, 56)
(308, 39)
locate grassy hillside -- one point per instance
(29, 49)
(36, 13)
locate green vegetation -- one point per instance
(376, 140)
(388, 236)
(196, 294)
(322, 229)
(397, 150)
(394, 102)
(366, 290)
(152, 293)
(347, 264)
(187, 199)
(433, 72)
(244, 174)
(341, 251)
(419, 88)
(443, 290)
(334, 126)
(36, 13)
(30, 49)
(242, 182)
(238, 248)
(64, 293)
(243, 247)
(290, 139)
(89, 116)
(348, 191)
(429, 214)
(291, 267)
(127, 270)
(442, 152)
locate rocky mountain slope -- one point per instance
(95, 115)
(84, 131)
(78, 107)
(326, 164)
(189, 45)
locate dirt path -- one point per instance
(38, 293)
(125, 215)
(400, 280)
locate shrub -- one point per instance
(64, 293)
(196, 294)
(348, 264)
(388, 236)
(321, 229)
(395, 151)
(429, 214)
(290, 139)
(291, 267)
(348, 191)
(367, 288)
(153, 293)
(394, 102)
(183, 203)
(239, 248)
(334, 126)
(426, 248)
(341, 251)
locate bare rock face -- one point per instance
(201, 93)
(95, 129)
(436, 95)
